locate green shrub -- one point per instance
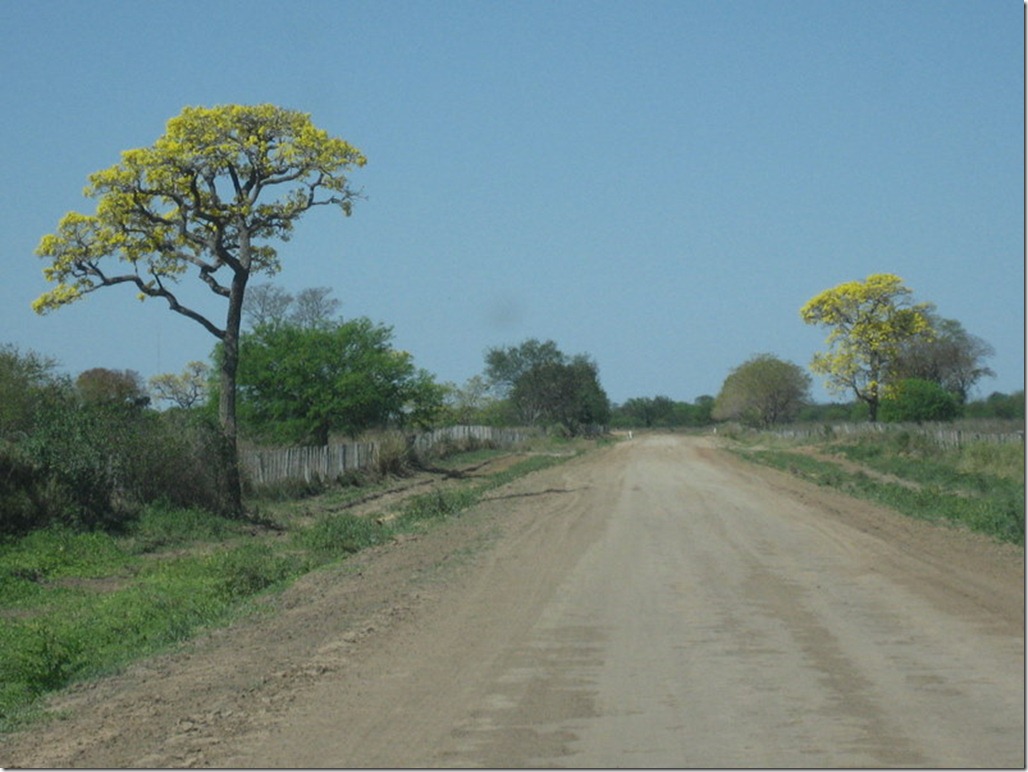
(48, 658)
(162, 525)
(998, 405)
(75, 447)
(59, 551)
(23, 504)
(94, 463)
(917, 400)
(176, 457)
(438, 504)
(97, 465)
(342, 535)
(247, 570)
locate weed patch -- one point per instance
(164, 526)
(438, 504)
(340, 535)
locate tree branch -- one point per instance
(154, 290)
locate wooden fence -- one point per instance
(492, 435)
(945, 435)
(271, 465)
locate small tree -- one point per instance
(300, 384)
(266, 304)
(566, 393)
(869, 323)
(506, 364)
(101, 386)
(952, 358)
(917, 400)
(185, 391)
(25, 381)
(314, 307)
(763, 391)
(466, 404)
(201, 198)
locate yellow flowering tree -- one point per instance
(869, 322)
(205, 199)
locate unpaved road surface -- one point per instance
(654, 603)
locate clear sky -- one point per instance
(660, 185)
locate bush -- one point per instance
(74, 449)
(244, 571)
(55, 552)
(917, 400)
(393, 454)
(342, 535)
(176, 457)
(998, 405)
(22, 492)
(49, 658)
(162, 525)
(90, 466)
(438, 504)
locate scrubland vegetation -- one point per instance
(77, 602)
(117, 537)
(978, 486)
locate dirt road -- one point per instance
(656, 603)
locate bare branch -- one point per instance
(154, 290)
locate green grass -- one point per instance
(977, 468)
(470, 457)
(979, 487)
(444, 503)
(75, 605)
(65, 624)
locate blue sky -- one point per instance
(660, 185)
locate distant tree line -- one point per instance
(92, 450)
(662, 412)
(899, 360)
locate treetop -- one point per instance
(199, 197)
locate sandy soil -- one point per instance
(655, 603)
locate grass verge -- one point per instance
(75, 605)
(979, 487)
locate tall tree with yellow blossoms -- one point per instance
(869, 322)
(205, 199)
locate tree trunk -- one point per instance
(874, 389)
(227, 402)
(227, 418)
